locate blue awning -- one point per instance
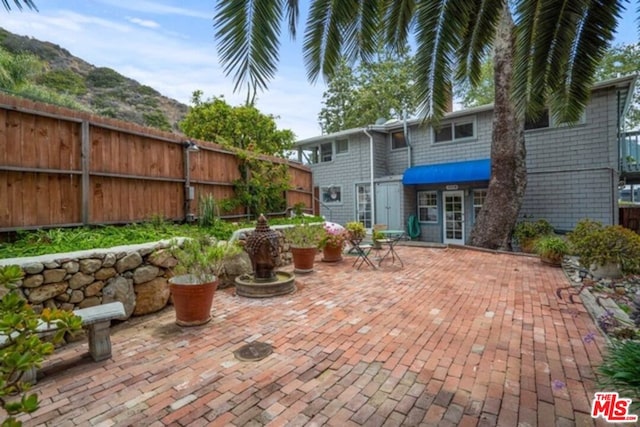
(449, 173)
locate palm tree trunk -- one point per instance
(494, 226)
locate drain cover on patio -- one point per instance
(253, 351)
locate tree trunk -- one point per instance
(497, 218)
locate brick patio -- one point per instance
(456, 337)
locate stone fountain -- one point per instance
(263, 249)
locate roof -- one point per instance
(625, 84)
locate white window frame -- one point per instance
(323, 153)
(428, 206)
(331, 197)
(453, 124)
(553, 124)
(476, 207)
(338, 149)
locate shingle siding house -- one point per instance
(387, 173)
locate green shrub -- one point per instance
(551, 247)
(64, 81)
(105, 77)
(602, 245)
(527, 230)
(620, 370)
(206, 211)
(25, 348)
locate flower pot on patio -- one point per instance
(332, 253)
(192, 299)
(303, 258)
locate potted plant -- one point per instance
(303, 243)
(377, 237)
(526, 233)
(200, 263)
(356, 230)
(608, 251)
(551, 249)
(332, 242)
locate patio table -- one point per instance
(392, 238)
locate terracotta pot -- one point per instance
(303, 259)
(332, 253)
(192, 299)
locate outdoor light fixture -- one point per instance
(190, 146)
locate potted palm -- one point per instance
(551, 249)
(303, 242)
(200, 263)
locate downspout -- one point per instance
(406, 138)
(371, 177)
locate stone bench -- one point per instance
(96, 321)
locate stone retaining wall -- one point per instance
(135, 275)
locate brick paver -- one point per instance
(456, 337)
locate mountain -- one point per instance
(100, 90)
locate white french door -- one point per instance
(453, 217)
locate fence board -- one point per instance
(147, 167)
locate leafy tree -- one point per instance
(378, 88)
(339, 100)
(23, 348)
(548, 57)
(621, 60)
(243, 127)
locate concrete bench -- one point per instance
(96, 321)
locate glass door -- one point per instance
(363, 204)
(453, 217)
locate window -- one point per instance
(546, 121)
(398, 140)
(479, 197)
(427, 206)
(331, 194)
(539, 123)
(454, 131)
(309, 156)
(326, 152)
(363, 204)
(342, 146)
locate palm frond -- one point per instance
(19, 4)
(248, 34)
(398, 18)
(440, 25)
(292, 12)
(483, 19)
(337, 29)
(595, 31)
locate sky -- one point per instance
(170, 46)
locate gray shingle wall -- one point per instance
(572, 169)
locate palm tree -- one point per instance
(547, 57)
(19, 4)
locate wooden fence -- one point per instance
(60, 167)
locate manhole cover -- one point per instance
(253, 351)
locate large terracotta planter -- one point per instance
(303, 259)
(332, 253)
(192, 299)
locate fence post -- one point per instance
(86, 164)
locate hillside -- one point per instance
(100, 90)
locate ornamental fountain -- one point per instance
(262, 246)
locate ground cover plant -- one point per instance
(58, 240)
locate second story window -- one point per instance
(398, 140)
(342, 146)
(326, 152)
(454, 131)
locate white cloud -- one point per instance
(173, 61)
(143, 22)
